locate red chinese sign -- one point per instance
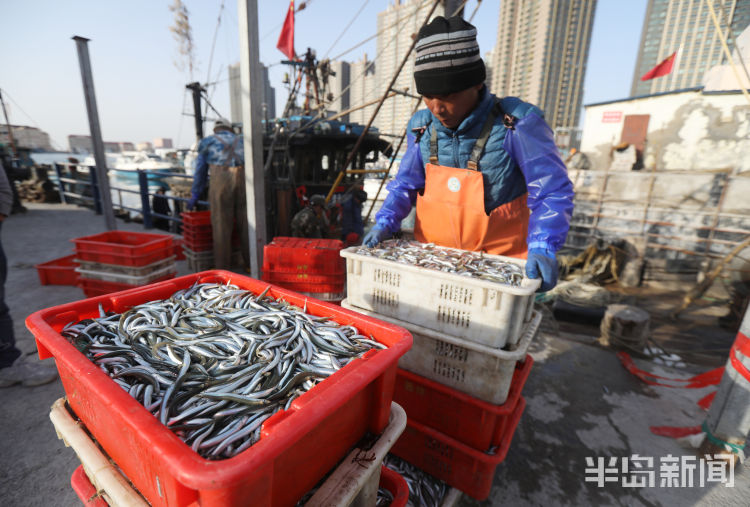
(612, 117)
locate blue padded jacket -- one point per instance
(514, 161)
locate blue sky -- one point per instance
(141, 93)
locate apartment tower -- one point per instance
(268, 94)
(397, 26)
(540, 55)
(687, 26)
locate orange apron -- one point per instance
(451, 213)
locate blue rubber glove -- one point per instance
(542, 263)
(375, 236)
(191, 203)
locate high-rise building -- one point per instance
(397, 26)
(540, 55)
(362, 89)
(268, 94)
(687, 26)
(338, 87)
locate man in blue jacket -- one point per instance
(494, 181)
(221, 159)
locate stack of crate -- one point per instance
(197, 240)
(118, 260)
(324, 431)
(461, 382)
(310, 266)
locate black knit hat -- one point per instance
(448, 58)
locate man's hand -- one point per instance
(375, 236)
(191, 203)
(542, 263)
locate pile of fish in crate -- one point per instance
(217, 389)
(309, 266)
(472, 320)
(118, 260)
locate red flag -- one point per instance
(661, 69)
(286, 37)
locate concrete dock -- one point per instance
(581, 403)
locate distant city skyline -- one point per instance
(141, 95)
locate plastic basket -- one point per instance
(196, 218)
(136, 271)
(477, 370)
(190, 253)
(92, 288)
(197, 246)
(123, 242)
(198, 234)
(354, 481)
(177, 250)
(485, 312)
(302, 255)
(471, 421)
(125, 259)
(396, 485)
(454, 463)
(303, 277)
(134, 281)
(298, 446)
(58, 271)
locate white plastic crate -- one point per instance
(126, 270)
(106, 276)
(477, 370)
(484, 312)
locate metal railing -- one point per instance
(77, 184)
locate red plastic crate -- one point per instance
(58, 271)
(125, 259)
(85, 491)
(177, 249)
(193, 218)
(303, 255)
(469, 420)
(93, 288)
(313, 288)
(123, 242)
(452, 462)
(397, 485)
(302, 277)
(298, 446)
(198, 235)
(198, 245)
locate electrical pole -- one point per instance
(196, 88)
(10, 130)
(250, 87)
(96, 133)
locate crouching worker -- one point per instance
(311, 221)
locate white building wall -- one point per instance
(686, 130)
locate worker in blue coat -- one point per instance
(493, 180)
